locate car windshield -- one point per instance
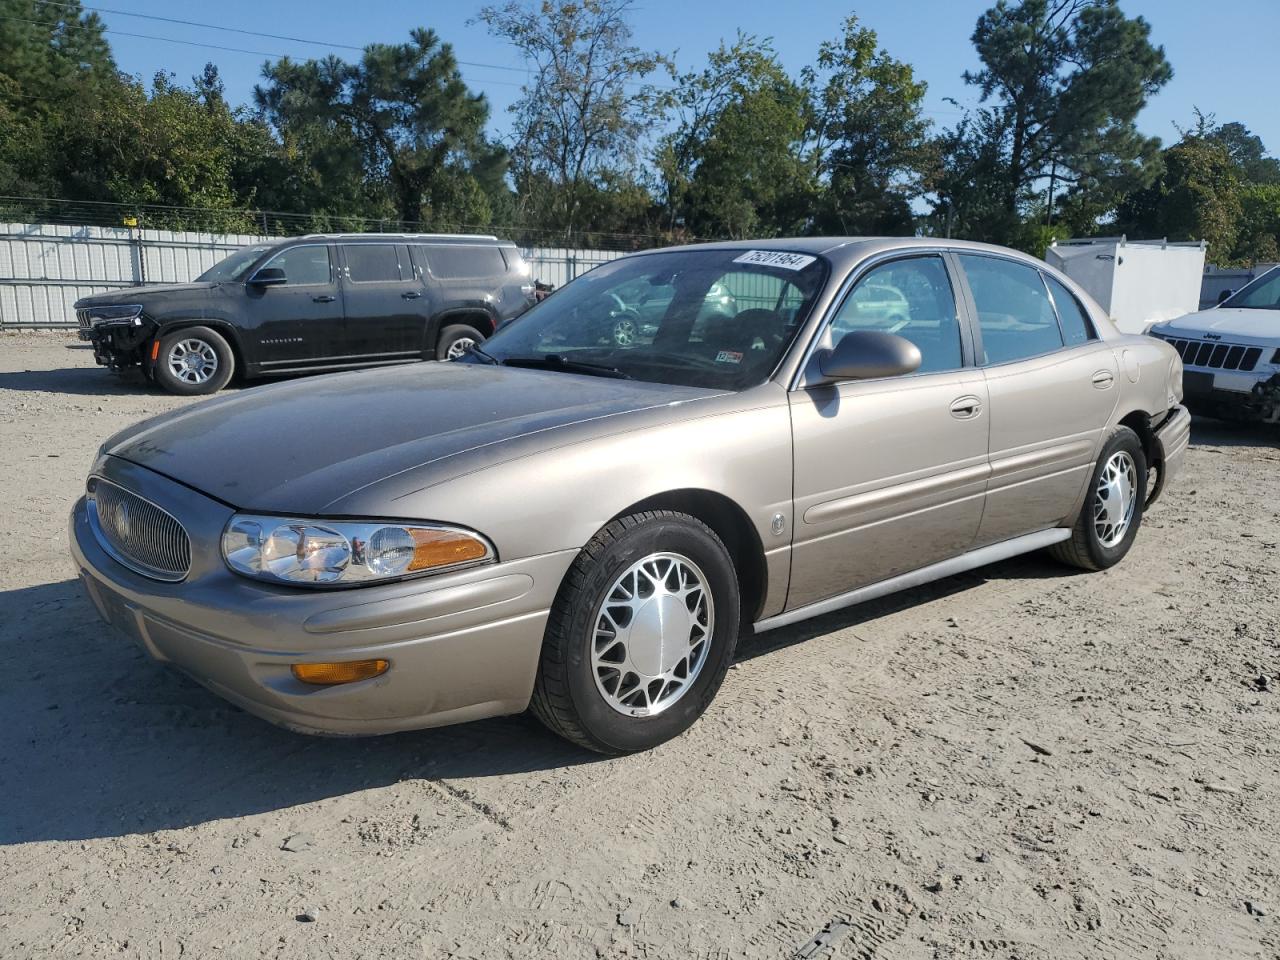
(720, 319)
(1261, 294)
(235, 266)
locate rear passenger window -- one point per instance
(1076, 328)
(462, 261)
(1015, 316)
(372, 262)
(913, 299)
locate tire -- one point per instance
(577, 695)
(454, 335)
(194, 361)
(1087, 547)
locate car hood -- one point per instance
(140, 294)
(1230, 323)
(298, 447)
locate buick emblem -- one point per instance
(124, 523)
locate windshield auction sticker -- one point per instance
(775, 258)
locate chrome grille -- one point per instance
(138, 533)
(1216, 355)
(82, 318)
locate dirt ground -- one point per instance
(1021, 763)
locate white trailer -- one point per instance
(1138, 282)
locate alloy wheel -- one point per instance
(193, 361)
(460, 347)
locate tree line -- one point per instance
(611, 143)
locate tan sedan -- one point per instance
(563, 522)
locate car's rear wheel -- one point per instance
(456, 339)
(1112, 511)
(194, 361)
(641, 635)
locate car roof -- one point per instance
(844, 251)
(462, 238)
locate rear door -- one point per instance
(469, 276)
(889, 473)
(299, 322)
(1052, 388)
(385, 304)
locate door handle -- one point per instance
(966, 408)
(324, 298)
(1103, 379)
(411, 295)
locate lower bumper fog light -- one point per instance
(328, 674)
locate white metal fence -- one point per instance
(45, 268)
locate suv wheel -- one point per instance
(1112, 511)
(456, 339)
(194, 361)
(640, 636)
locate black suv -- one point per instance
(309, 304)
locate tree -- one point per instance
(1197, 197)
(51, 55)
(416, 129)
(1259, 236)
(733, 166)
(1247, 153)
(581, 119)
(868, 136)
(1063, 82)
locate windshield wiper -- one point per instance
(558, 361)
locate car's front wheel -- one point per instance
(1112, 511)
(641, 635)
(194, 361)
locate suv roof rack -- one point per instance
(402, 236)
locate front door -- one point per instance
(299, 322)
(1052, 386)
(386, 307)
(889, 473)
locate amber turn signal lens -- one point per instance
(439, 548)
(328, 674)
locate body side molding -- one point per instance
(935, 571)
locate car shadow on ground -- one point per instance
(1207, 432)
(76, 381)
(99, 741)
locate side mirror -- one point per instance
(869, 354)
(268, 277)
(1224, 295)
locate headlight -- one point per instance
(128, 311)
(341, 553)
(1175, 379)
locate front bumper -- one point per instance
(462, 646)
(1248, 397)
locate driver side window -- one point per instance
(913, 299)
(303, 266)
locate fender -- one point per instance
(469, 314)
(165, 327)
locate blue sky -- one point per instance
(1223, 54)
